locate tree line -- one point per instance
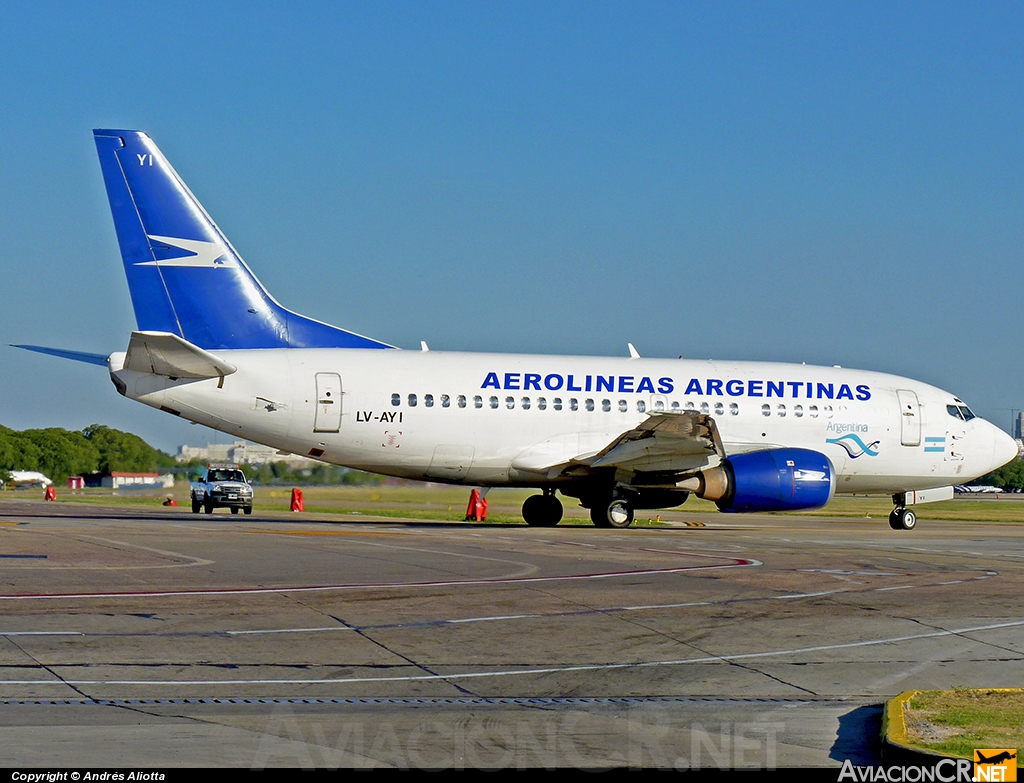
(59, 453)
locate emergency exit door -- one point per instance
(328, 402)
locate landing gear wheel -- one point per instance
(542, 511)
(617, 513)
(196, 505)
(902, 519)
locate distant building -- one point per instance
(119, 480)
(241, 453)
(1018, 426)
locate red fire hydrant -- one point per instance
(298, 504)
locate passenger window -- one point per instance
(461, 401)
(526, 403)
(798, 410)
(734, 409)
(675, 406)
(782, 411)
(827, 411)
(478, 401)
(641, 406)
(557, 403)
(659, 405)
(396, 399)
(766, 410)
(812, 411)
(542, 403)
(719, 409)
(573, 405)
(590, 405)
(510, 403)
(428, 400)
(704, 407)
(412, 400)
(690, 406)
(493, 402)
(623, 406)
(446, 401)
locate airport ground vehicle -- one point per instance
(618, 434)
(221, 486)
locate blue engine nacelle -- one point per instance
(770, 480)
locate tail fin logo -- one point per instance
(208, 255)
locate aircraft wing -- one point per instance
(163, 353)
(664, 441)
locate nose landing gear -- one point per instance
(902, 519)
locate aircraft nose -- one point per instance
(1004, 448)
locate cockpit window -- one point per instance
(954, 411)
(967, 413)
(960, 411)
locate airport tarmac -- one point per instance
(137, 637)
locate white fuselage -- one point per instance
(507, 419)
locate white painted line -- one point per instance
(489, 619)
(290, 630)
(737, 563)
(546, 670)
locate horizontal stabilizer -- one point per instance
(163, 353)
(78, 356)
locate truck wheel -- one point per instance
(196, 505)
(234, 509)
(247, 510)
(208, 508)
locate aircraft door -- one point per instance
(328, 402)
(910, 418)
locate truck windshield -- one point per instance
(226, 475)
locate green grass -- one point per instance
(436, 502)
(979, 718)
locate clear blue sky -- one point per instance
(821, 182)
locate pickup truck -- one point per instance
(221, 487)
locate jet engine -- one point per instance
(769, 480)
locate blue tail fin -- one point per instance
(183, 274)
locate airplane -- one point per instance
(998, 758)
(617, 434)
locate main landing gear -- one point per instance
(901, 518)
(615, 512)
(542, 510)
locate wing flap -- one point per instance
(663, 441)
(163, 353)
